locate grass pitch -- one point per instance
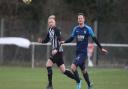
(27, 78)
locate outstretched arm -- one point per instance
(96, 41)
(99, 45)
(69, 40)
(46, 40)
(40, 40)
(71, 37)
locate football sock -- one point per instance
(76, 76)
(86, 77)
(49, 69)
(69, 74)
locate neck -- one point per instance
(81, 25)
(52, 27)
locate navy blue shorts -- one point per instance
(80, 60)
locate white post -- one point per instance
(33, 55)
(1, 35)
(95, 48)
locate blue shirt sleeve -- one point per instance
(91, 33)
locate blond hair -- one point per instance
(52, 17)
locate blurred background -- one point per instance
(108, 18)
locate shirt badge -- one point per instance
(84, 32)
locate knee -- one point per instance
(49, 63)
(62, 68)
(73, 67)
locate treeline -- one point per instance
(103, 10)
(31, 20)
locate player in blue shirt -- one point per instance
(81, 33)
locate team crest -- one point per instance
(84, 32)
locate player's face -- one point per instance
(51, 23)
(81, 19)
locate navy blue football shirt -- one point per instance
(82, 34)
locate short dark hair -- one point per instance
(81, 14)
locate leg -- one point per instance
(76, 76)
(77, 62)
(66, 71)
(86, 76)
(60, 63)
(49, 69)
(82, 66)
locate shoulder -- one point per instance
(76, 27)
(56, 29)
(88, 27)
(90, 30)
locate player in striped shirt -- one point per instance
(54, 36)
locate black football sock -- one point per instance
(49, 69)
(69, 74)
(76, 75)
(86, 77)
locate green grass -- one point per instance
(27, 78)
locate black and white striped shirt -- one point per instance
(54, 36)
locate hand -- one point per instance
(62, 42)
(54, 52)
(39, 40)
(104, 51)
